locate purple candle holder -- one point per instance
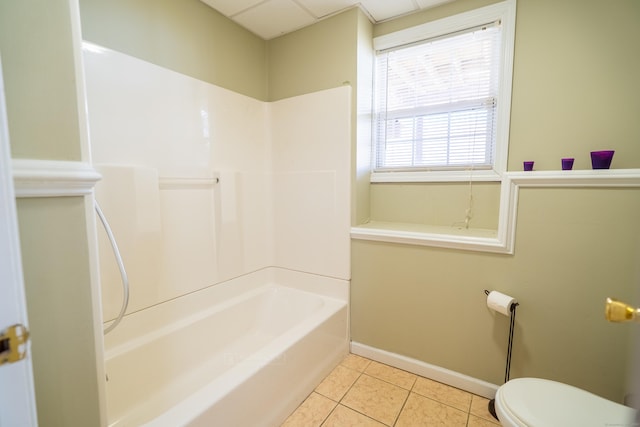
(567, 163)
(601, 159)
(528, 166)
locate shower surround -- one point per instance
(205, 188)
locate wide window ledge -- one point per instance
(428, 235)
(501, 240)
(576, 178)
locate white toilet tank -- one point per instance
(535, 402)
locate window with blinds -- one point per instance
(437, 99)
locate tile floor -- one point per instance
(363, 392)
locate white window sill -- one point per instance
(428, 235)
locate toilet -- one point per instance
(535, 402)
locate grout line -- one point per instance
(401, 408)
(329, 414)
(408, 394)
(385, 381)
(362, 372)
(368, 416)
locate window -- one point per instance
(442, 95)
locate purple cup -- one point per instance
(567, 163)
(601, 159)
(528, 166)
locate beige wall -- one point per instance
(43, 108)
(318, 57)
(576, 83)
(186, 36)
(59, 302)
(574, 90)
(37, 47)
(442, 204)
(573, 249)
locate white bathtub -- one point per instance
(241, 353)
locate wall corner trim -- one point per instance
(513, 181)
(504, 241)
(53, 178)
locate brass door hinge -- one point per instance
(13, 344)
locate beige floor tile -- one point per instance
(479, 408)
(343, 417)
(355, 362)
(443, 393)
(475, 421)
(421, 411)
(390, 374)
(312, 412)
(376, 398)
(337, 383)
(362, 392)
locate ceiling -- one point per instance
(272, 18)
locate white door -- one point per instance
(17, 397)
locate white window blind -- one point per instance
(436, 101)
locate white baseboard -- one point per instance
(436, 373)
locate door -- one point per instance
(17, 397)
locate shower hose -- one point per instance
(123, 272)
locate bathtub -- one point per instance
(245, 352)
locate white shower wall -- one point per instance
(312, 190)
(283, 168)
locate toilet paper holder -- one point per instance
(513, 306)
(512, 322)
(512, 317)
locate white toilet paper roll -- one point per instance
(500, 302)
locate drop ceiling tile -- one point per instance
(426, 4)
(230, 7)
(274, 17)
(385, 9)
(322, 8)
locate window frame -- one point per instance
(505, 12)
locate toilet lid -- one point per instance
(536, 402)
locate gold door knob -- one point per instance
(617, 311)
